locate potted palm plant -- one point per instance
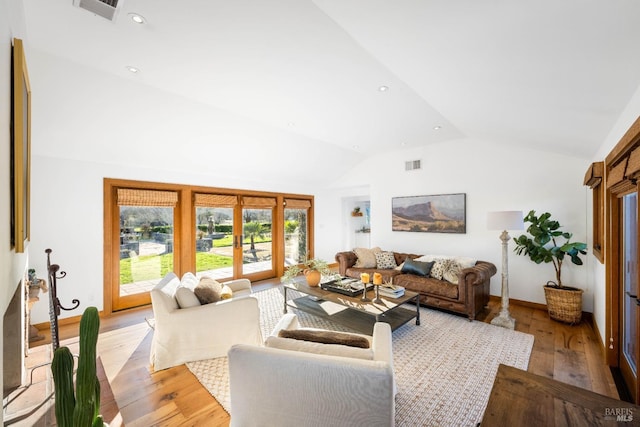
(546, 243)
(313, 270)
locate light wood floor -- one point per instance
(174, 397)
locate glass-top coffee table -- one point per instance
(352, 311)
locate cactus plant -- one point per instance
(82, 408)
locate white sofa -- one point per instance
(278, 387)
(200, 331)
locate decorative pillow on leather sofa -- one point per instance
(208, 290)
(325, 337)
(438, 269)
(385, 260)
(464, 261)
(366, 257)
(417, 267)
(451, 270)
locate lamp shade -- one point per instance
(505, 220)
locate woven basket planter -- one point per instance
(564, 304)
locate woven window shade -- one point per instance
(617, 181)
(623, 188)
(297, 204)
(594, 175)
(262, 202)
(633, 166)
(215, 200)
(135, 197)
(616, 173)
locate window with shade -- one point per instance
(151, 229)
(296, 220)
(214, 231)
(594, 179)
(146, 252)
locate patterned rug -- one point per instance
(444, 368)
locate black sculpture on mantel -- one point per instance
(54, 302)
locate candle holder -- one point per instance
(378, 300)
(364, 278)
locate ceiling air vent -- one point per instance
(105, 8)
(412, 165)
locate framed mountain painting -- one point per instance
(440, 213)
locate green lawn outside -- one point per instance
(152, 267)
(228, 241)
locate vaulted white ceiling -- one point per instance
(550, 74)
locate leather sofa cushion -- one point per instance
(402, 257)
(427, 285)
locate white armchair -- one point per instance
(315, 385)
(201, 331)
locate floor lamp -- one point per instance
(505, 220)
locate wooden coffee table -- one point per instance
(352, 311)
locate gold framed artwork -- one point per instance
(20, 149)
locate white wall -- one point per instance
(82, 114)
(12, 265)
(67, 216)
(596, 270)
(494, 177)
(100, 125)
(89, 125)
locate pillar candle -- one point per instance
(364, 277)
(377, 279)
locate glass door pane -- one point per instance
(296, 249)
(146, 249)
(257, 242)
(214, 242)
(629, 309)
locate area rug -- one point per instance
(444, 368)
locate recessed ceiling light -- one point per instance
(291, 124)
(138, 19)
(355, 147)
(383, 88)
(133, 70)
(437, 127)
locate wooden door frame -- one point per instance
(613, 228)
(111, 252)
(184, 218)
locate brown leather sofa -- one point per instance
(468, 297)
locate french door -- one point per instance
(215, 228)
(151, 229)
(234, 236)
(628, 303)
(257, 238)
(145, 234)
(296, 231)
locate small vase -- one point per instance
(313, 277)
